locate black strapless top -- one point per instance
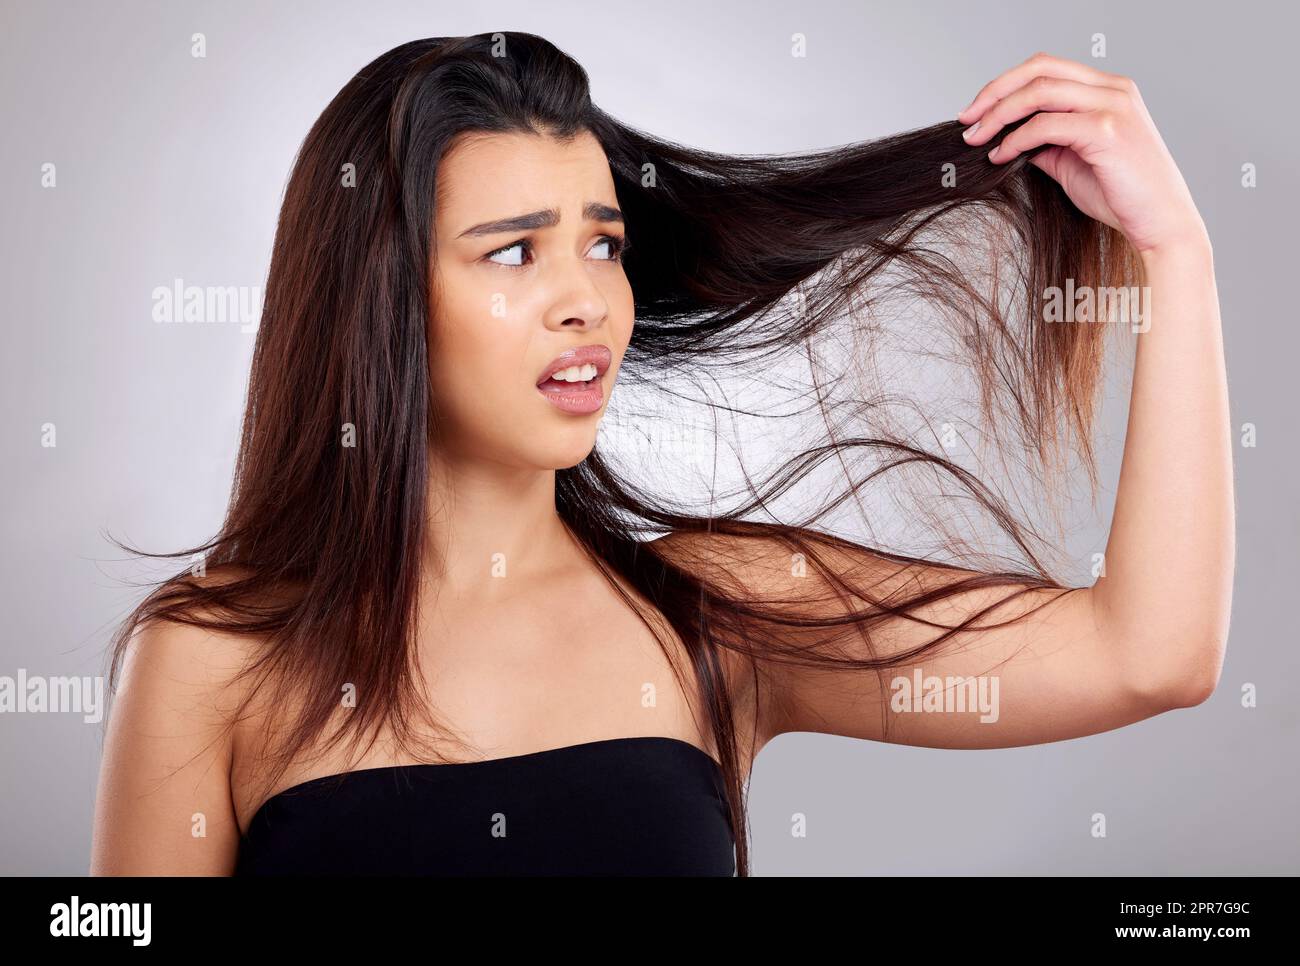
(620, 806)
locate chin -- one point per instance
(563, 457)
(563, 440)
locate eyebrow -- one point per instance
(591, 211)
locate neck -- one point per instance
(486, 521)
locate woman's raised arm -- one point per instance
(1150, 635)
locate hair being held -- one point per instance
(737, 264)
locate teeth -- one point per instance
(575, 374)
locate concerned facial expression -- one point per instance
(531, 308)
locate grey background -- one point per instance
(170, 167)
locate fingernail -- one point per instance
(971, 130)
(994, 151)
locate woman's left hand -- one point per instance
(1106, 152)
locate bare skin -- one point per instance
(504, 661)
(500, 657)
(1149, 636)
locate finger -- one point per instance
(1079, 132)
(1043, 93)
(1049, 160)
(1039, 64)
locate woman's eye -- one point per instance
(618, 246)
(514, 261)
(614, 245)
(515, 254)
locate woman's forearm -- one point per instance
(1166, 589)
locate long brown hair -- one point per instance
(733, 260)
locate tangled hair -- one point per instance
(734, 261)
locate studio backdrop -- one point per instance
(146, 149)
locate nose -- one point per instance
(578, 302)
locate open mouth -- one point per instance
(574, 381)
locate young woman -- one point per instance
(439, 632)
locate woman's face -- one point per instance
(527, 268)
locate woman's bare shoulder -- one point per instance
(163, 804)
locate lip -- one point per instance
(583, 355)
(578, 399)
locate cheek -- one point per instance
(476, 357)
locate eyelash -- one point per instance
(619, 244)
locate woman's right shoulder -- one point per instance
(186, 648)
(173, 658)
(164, 799)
